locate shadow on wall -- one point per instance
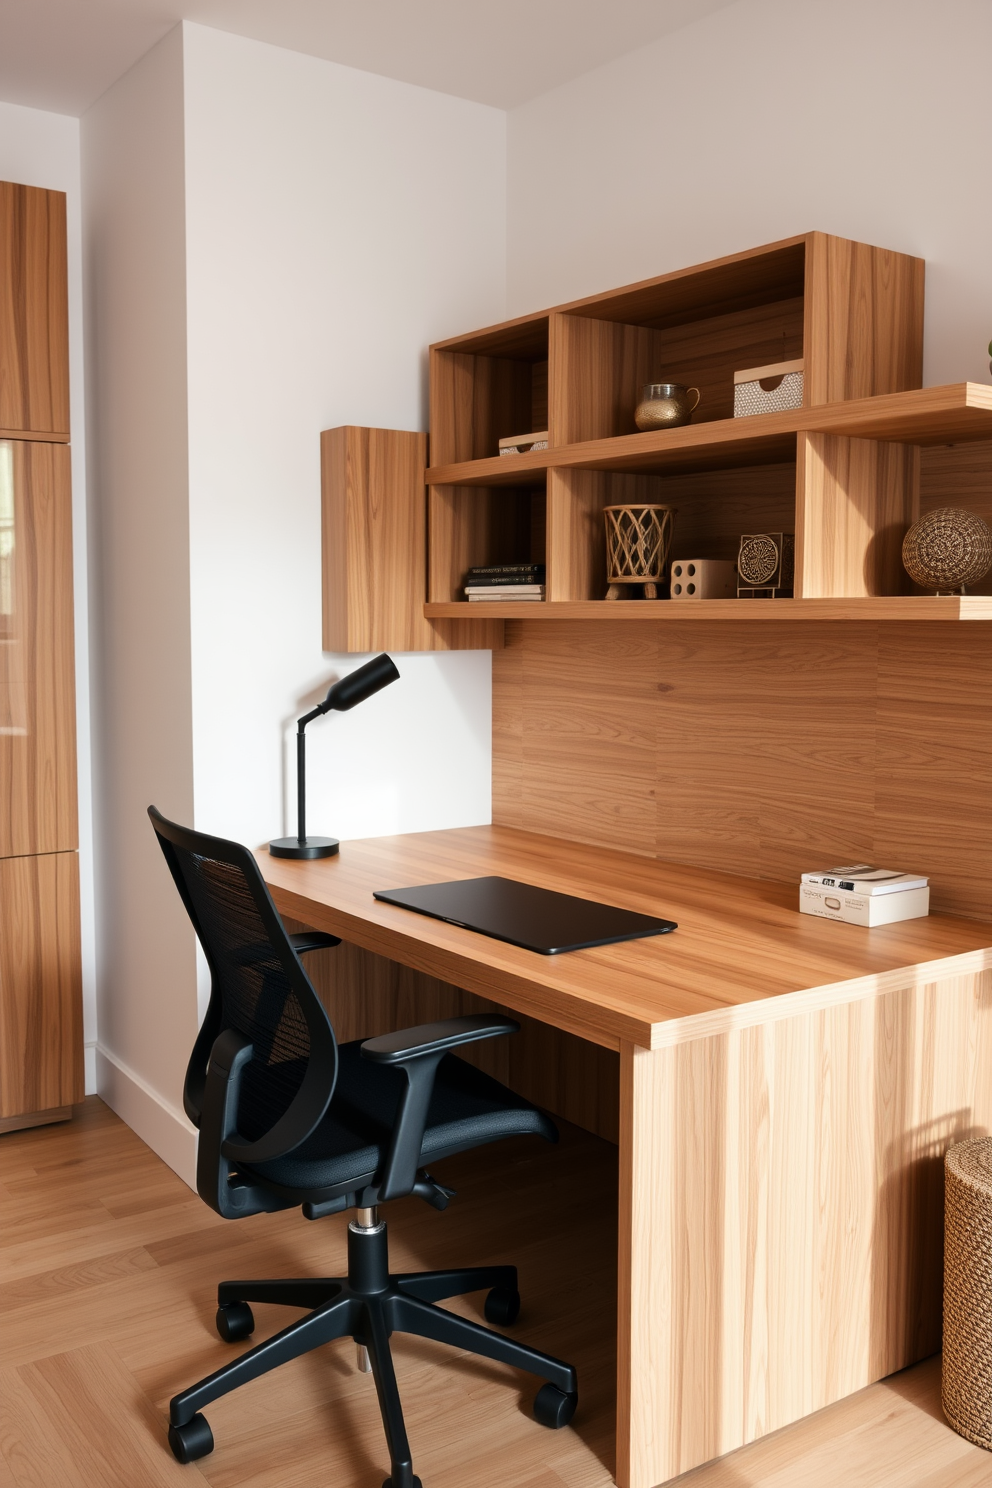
(908, 1233)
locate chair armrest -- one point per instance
(417, 1052)
(435, 1038)
(313, 940)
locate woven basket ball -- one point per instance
(947, 549)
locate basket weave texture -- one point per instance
(966, 1381)
(638, 541)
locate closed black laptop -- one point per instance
(538, 919)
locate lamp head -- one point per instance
(360, 684)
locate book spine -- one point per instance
(492, 581)
(505, 570)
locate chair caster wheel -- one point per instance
(503, 1306)
(191, 1441)
(235, 1322)
(553, 1408)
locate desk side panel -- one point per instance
(781, 1215)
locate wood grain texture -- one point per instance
(478, 400)
(34, 317)
(41, 1027)
(603, 365)
(855, 500)
(781, 1215)
(108, 1280)
(366, 995)
(959, 412)
(576, 544)
(742, 952)
(754, 748)
(863, 332)
(37, 662)
(374, 540)
(35, 1118)
(116, 1310)
(886, 608)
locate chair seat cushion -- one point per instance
(468, 1108)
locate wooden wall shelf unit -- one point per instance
(852, 312)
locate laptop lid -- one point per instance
(524, 915)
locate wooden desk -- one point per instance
(787, 1089)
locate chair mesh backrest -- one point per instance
(257, 997)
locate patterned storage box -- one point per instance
(768, 389)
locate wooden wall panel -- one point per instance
(716, 506)
(37, 664)
(933, 793)
(708, 353)
(366, 995)
(758, 749)
(785, 1194)
(34, 317)
(41, 1038)
(864, 320)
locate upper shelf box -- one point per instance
(487, 387)
(854, 313)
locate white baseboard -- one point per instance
(157, 1122)
(89, 1068)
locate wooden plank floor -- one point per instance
(108, 1266)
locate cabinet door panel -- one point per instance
(41, 1046)
(34, 320)
(37, 683)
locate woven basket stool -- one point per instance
(966, 1383)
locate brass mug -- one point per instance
(665, 405)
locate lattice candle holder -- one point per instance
(638, 542)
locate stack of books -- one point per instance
(506, 581)
(864, 895)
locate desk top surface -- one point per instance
(741, 946)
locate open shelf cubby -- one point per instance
(475, 525)
(487, 387)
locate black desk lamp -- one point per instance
(354, 688)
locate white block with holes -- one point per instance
(703, 578)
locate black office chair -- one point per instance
(288, 1116)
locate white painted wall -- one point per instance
(133, 184)
(337, 222)
(266, 260)
(865, 118)
(42, 149)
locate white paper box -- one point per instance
(863, 909)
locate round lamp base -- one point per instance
(312, 847)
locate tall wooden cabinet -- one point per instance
(41, 1052)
